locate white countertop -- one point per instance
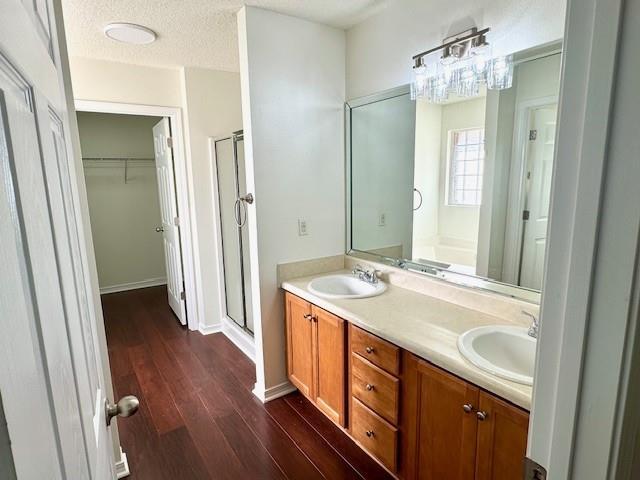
(426, 326)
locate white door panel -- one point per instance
(539, 167)
(168, 211)
(51, 380)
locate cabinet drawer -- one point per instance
(379, 352)
(374, 434)
(374, 387)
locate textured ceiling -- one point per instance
(200, 33)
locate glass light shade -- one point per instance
(468, 82)
(438, 89)
(500, 73)
(480, 57)
(419, 84)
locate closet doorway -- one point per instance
(232, 200)
(131, 191)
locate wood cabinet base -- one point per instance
(417, 420)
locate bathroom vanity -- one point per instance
(387, 370)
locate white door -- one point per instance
(51, 379)
(170, 223)
(539, 169)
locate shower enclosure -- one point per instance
(233, 200)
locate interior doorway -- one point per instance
(129, 172)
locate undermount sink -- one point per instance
(344, 286)
(505, 351)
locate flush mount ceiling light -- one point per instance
(130, 33)
(460, 65)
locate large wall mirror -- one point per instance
(458, 189)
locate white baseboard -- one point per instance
(123, 287)
(122, 466)
(209, 329)
(271, 393)
(241, 339)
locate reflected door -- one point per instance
(229, 154)
(539, 170)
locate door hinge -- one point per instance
(182, 295)
(533, 134)
(533, 470)
(176, 221)
(169, 142)
(525, 214)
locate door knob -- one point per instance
(125, 407)
(159, 229)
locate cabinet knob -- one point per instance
(467, 407)
(307, 316)
(369, 387)
(482, 416)
(369, 433)
(368, 349)
(314, 318)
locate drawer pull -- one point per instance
(467, 407)
(370, 433)
(482, 416)
(369, 349)
(369, 387)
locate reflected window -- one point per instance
(465, 163)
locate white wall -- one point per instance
(125, 83)
(210, 102)
(427, 172)
(499, 118)
(112, 135)
(382, 171)
(379, 50)
(457, 223)
(123, 215)
(293, 74)
(212, 109)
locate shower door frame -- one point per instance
(238, 333)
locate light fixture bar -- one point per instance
(475, 33)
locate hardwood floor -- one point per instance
(198, 418)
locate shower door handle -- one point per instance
(241, 202)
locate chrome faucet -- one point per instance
(535, 324)
(368, 276)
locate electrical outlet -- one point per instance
(382, 219)
(302, 227)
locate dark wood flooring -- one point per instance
(198, 418)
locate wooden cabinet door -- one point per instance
(300, 352)
(438, 435)
(329, 364)
(502, 440)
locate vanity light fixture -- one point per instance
(461, 65)
(130, 33)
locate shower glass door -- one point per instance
(231, 187)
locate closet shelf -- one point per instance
(117, 162)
